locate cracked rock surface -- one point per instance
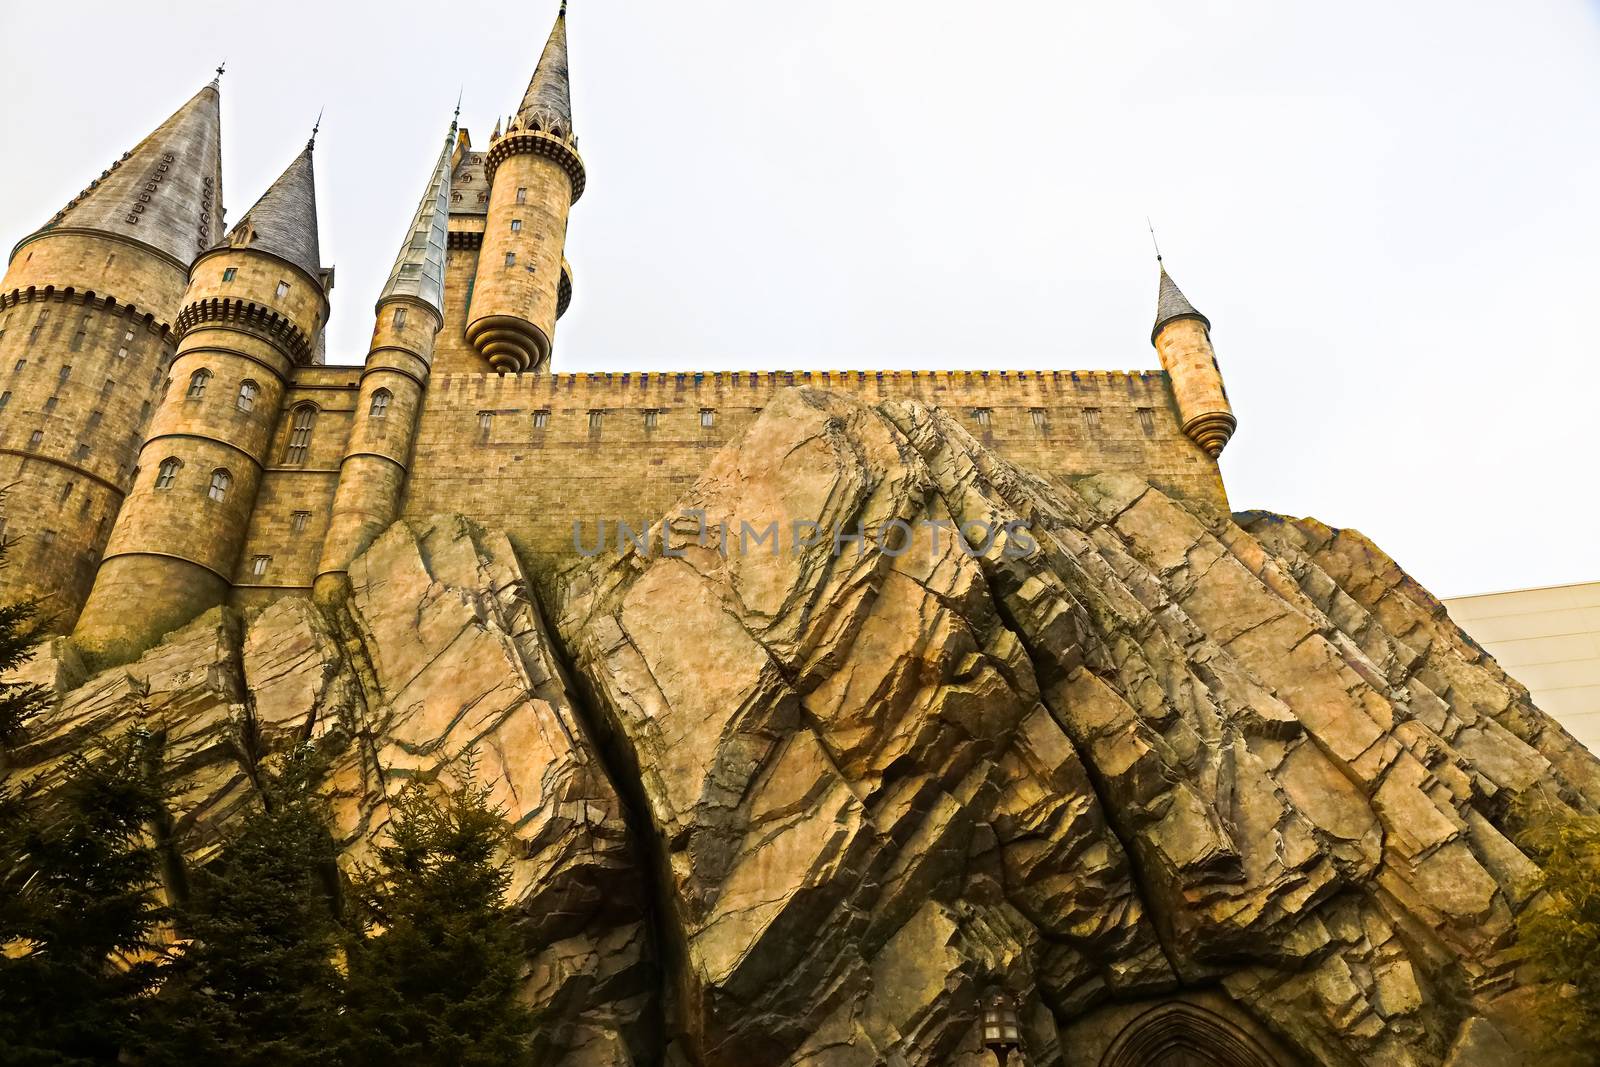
(804, 799)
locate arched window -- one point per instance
(221, 482)
(198, 382)
(380, 403)
(248, 391)
(167, 473)
(303, 419)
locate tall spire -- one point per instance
(419, 269)
(166, 192)
(1172, 305)
(284, 221)
(547, 104)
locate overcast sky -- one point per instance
(1390, 211)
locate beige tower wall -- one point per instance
(521, 296)
(176, 545)
(373, 475)
(101, 306)
(1184, 346)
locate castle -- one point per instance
(174, 439)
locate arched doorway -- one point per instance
(1177, 1034)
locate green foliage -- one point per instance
(20, 629)
(1560, 935)
(78, 907)
(257, 982)
(435, 980)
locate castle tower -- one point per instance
(535, 177)
(410, 313)
(87, 313)
(1182, 337)
(254, 309)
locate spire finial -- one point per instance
(315, 127)
(1153, 240)
(563, 8)
(222, 68)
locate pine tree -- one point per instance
(20, 629)
(257, 981)
(79, 911)
(1560, 935)
(435, 979)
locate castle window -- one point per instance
(47, 538)
(83, 508)
(20, 364)
(197, 384)
(981, 416)
(1147, 421)
(283, 290)
(221, 482)
(1040, 422)
(541, 419)
(144, 411)
(485, 423)
(66, 491)
(399, 317)
(248, 391)
(128, 336)
(297, 521)
(596, 418)
(522, 196)
(650, 418)
(516, 225)
(66, 372)
(122, 353)
(1091, 419)
(81, 452)
(708, 417)
(5, 398)
(35, 439)
(167, 473)
(110, 384)
(305, 418)
(94, 419)
(259, 565)
(380, 404)
(511, 259)
(50, 404)
(229, 273)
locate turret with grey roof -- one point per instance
(283, 222)
(419, 269)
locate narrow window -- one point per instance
(35, 439)
(20, 364)
(197, 384)
(380, 404)
(168, 472)
(981, 416)
(297, 522)
(122, 353)
(110, 384)
(128, 336)
(5, 398)
(66, 372)
(399, 317)
(305, 418)
(144, 411)
(1091, 419)
(229, 273)
(485, 422)
(221, 482)
(650, 419)
(516, 225)
(259, 565)
(94, 419)
(50, 404)
(511, 259)
(541, 419)
(522, 196)
(595, 419)
(66, 491)
(81, 452)
(1147, 421)
(283, 290)
(83, 508)
(1040, 423)
(77, 340)
(47, 537)
(708, 417)
(248, 391)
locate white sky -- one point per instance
(1388, 210)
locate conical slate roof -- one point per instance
(1172, 305)
(166, 192)
(548, 102)
(419, 270)
(284, 221)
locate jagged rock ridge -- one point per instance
(802, 807)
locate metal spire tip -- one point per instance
(1153, 240)
(315, 127)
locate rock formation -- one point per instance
(1162, 774)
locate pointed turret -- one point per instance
(547, 105)
(419, 269)
(1172, 305)
(1182, 337)
(284, 221)
(166, 193)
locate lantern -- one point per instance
(1002, 1032)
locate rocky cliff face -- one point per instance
(1164, 775)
